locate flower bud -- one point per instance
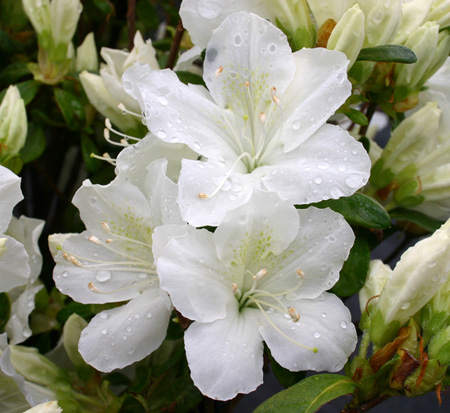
(105, 103)
(348, 35)
(71, 336)
(38, 12)
(2, 246)
(64, 16)
(87, 55)
(34, 367)
(440, 13)
(381, 21)
(440, 56)
(423, 42)
(13, 124)
(413, 15)
(417, 277)
(377, 278)
(48, 407)
(327, 9)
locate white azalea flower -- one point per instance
(112, 262)
(48, 407)
(13, 252)
(260, 276)
(261, 125)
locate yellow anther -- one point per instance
(93, 288)
(247, 84)
(105, 226)
(94, 239)
(219, 71)
(293, 313)
(234, 288)
(300, 273)
(202, 195)
(261, 273)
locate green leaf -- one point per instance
(34, 144)
(71, 108)
(41, 117)
(27, 89)
(309, 395)
(146, 12)
(87, 147)
(12, 73)
(14, 164)
(354, 272)
(188, 77)
(387, 53)
(83, 310)
(416, 217)
(356, 116)
(358, 209)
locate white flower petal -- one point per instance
(323, 243)
(118, 337)
(307, 174)
(247, 48)
(206, 193)
(189, 270)
(134, 159)
(114, 282)
(325, 324)
(14, 268)
(17, 326)
(225, 356)
(265, 224)
(10, 195)
(179, 113)
(319, 88)
(27, 231)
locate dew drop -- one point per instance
(149, 315)
(318, 180)
(343, 324)
(316, 334)
(102, 276)
(163, 100)
(237, 40)
(353, 181)
(130, 350)
(324, 315)
(161, 134)
(65, 274)
(272, 48)
(103, 315)
(104, 332)
(405, 305)
(297, 125)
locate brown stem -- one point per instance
(367, 406)
(131, 23)
(369, 114)
(175, 46)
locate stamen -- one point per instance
(125, 137)
(95, 240)
(260, 274)
(202, 195)
(234, 288)
(94, 288)
(105, 157)
(313, 349)
(219, 71)
(105, 226)
(125, 111)
(294, 315)
(262, 117)
(247, 84)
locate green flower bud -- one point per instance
(38, 12)
(377, 278)
(64, 16)
(71, 336)
(87, 58)
(13, 124)
(34, 367)
(416, 278)
(408, 77)
(292, 14)
(348, 35)
(381, 21)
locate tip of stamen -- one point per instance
(315, 350)
(76, 262)
(109, 241)
(234, 288)
(261, 273)
(300, 273)
(66, 257)
(93, 288)
(122, 107)
(219, 71)
(202, 195)
(293, 313)
(106, 133)
(105, 226)
(124, 142)
(277, 100)
(108, 123)
(247, 83)
(262, 117)
(94, 239)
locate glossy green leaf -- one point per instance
(34, 144)
(5, 310)
(354, 272)
(71, 108)
(358, 209)
(387, 53)
(286, 377)
(27, 89)
(309, 395)
(12, 73)
(356, 116)
(188, 77)
(416, 217)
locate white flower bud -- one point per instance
(328, 9)
(377, 278)
(440, 12)
(87, 58)
(413, 15)
(38, 11)
(13, 123)
(48, 407)
(348, 34)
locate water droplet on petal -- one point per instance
(318, 180)
(316, 334)
(343, 324)
(237, 40)
(104, 332)
(103, 315)
(163, 100)
(149, 315)
(102, 276)
(405, 305)
(130, 350)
